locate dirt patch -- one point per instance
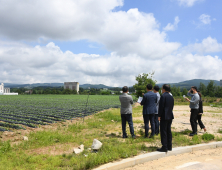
(66, 148)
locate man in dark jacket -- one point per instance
(149, 109)
(165, 116)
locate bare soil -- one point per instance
(210, 159)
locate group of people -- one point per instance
(158, 111)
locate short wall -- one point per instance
(10, 94)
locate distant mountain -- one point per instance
(195, 82)
(184, 84)
(85, 86)
(33, 85)
(95, 86)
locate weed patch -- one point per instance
(208, 137)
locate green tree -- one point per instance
(34, 92)
(142, 81)
(218, 91)
(175, 91)
(74, 91)
(185, 91)
(210, 91)
(67, 91)
(203, 89)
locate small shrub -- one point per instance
(186, 132)
(219, 130)
(195, 140)
(207, 137)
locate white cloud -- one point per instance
(205, 19)
(130, 32)
(188, 3)
(134, 39)
(172, 27)
(208, 45)
(48, 63)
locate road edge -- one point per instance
(129, 162)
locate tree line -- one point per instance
(61, 90)
(211, 90)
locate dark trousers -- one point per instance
(149, 118)
(165, 134)
(127, 118)
(200, 121)
(193, 120)
(157, 124)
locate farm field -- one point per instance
(19, 112)
(51, 146)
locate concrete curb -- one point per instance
(129, 162)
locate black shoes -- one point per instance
(125, 136)
(192, 134)
(162, 150)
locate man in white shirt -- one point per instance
(157, 125)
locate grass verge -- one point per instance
(104, 126)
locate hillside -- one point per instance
(195, 82)
(184, 84)
(85, 86)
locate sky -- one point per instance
(109, 41)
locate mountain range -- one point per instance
(184, 84)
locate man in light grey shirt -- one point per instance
(157, 124)
(126, 111)
(194, 106)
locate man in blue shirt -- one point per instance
(149, 109)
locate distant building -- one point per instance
(72, 86)
(5, 90)
(220, 82)
(105, 88)
(29, 92)
(1, 88)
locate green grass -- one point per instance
(220, 130)
(208, 137)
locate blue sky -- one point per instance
(189, 29)
(109, 42)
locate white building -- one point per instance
(5, 91)
(1, 89)
(72, 86)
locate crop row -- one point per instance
(16, 112)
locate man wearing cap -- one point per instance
(194, 106)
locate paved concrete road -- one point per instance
(210, 159)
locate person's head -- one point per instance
(149, 87)
(165, 88)
(198, 91)
(193, 89)
(156, 89)
(125, 89)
